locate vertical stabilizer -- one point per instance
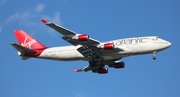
(28, 41)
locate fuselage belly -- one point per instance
(145, 46)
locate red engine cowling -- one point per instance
(118, 65)
(82, 37)
(102, 70)
(108, 46)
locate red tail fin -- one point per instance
(28, 41)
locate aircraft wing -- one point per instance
(89, 48)
(72, 37)
(87, 68)
(96, 69)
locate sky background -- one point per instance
(103, 20)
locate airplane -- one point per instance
(98, 54)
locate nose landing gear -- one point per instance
(154, 56)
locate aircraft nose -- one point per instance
(167, 43)
(163, 44)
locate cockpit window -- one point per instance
(155, 38)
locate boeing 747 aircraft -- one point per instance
(98, 54)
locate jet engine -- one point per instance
(118, 65)
(82, 37)
(103, 70)
(107, 46)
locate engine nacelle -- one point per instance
(102, 70)
(118, 65)
(107, 46)
(82, 37)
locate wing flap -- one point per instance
(70, 40)
(88, 51)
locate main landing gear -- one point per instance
(154, 56)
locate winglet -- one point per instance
(45, 21)
(75, 70)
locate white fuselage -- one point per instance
(123, 48)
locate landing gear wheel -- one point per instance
(154, 56)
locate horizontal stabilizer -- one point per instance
(25, 58)
(23, 49)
